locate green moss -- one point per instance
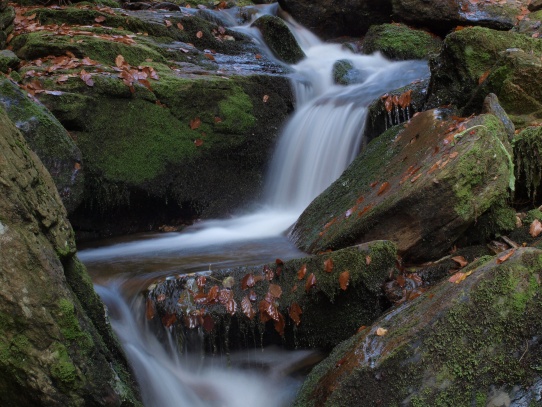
(63, 368)
(528, 160)
(397, 41)
(236, 113)
(279, 39)
(70, 326)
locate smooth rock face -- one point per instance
(56, 347)
(478, 340)
(48, 139)
(420, 185)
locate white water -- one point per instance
(319, 141)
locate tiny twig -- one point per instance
(526, 349)
(510, 242)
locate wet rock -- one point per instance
(56, 347)
(535, 5)
(329, 19)
(48, 139)
(421, 185)
(399, 42)
(279, 39)
(527, 151)
(515, 80)
(492, 106)
(467, 56)
(344, 73)
(475, 340)
(8, 61)
(317, 301)
(531, 25)
(442, 16)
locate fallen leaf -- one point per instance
(483, 77)
(199, 34)
(302, 272)
(119, 61)
(457, 277)
(99, 19)
(536, 228)
(246, 307)
(212, 295)
(280, 324)
(275, 290)
(149, 309)
(368, 260)
(195, 123)
(381, 331)
(198, 142)
(265, 98)
(180, 26)
(328, 265)
(168, 23)
(269, 274)
(168, 320)
(252, 296)
(208, 323)
(460, 260)
(295, 313)
(86, 77)
(311, 282)
(383, 188)
(505, 256)
(247, 281)
(200, 281)
(344, 280)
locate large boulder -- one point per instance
(329, 19)
(441, 16)
(466, 58)
(420, 184)
(48, 139)
(312, 302)
(474, 342)
(56, 347)
(279, 39)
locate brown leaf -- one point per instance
(99, 19)
(225, 295)
(212, 295)
(328, 265)
(198, 142)
(199, 34)
(383, 188)
(483, 77)
(457, 277)
(252, 296)
(195, 123)
(149, 309)
(505, 256)
(200, 281)
(86, 77)
(231, 306)
(268, 273)
(302, 272)
(218, 119)
(119, 61)
(168, 320)
(460, 260)
(247, 281)
(295, 313)
(275, 290)
(265, 98)
(280, 324)
(311, 282)
(368, 260)
(536, 228)
(180, 26)
(208, 323)
(381, 331)
(247, 308)
(168, 23)
(344, 280)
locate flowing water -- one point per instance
(319, 141)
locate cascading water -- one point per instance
(322, 137)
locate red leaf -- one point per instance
(198, 142)
(168, 320)
(383, 188)
(195, 123)
(149, 309)
(246, 307)
(295, 313)
(328, 265)
(302, 272)
(505, 256)
(275, 290)
(344, 280)
(247, 281)
(311, 281)
(212, 295)
(280, 324)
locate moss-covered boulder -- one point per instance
(467, 56)
(515, 78)
(528, 163)
(475, 343)
(531, 24)
(56, 347)
(279, 39)
(48, 139)
(400, 42)
(441, 16)
(344, 73)
(420, 185)
(312, 302)
(8, 61)
(7, 16)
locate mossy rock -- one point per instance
(279, 39)
(330, 314)
(48, 139)
(344, 73)
(515, 80)
(400, 42)
(528, 163)
(471, 343)
(53, 350)
(8, 61)
(399, 189)
(467, 55)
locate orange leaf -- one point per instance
(536, 228)
(483, 77)
(457, 277)
(295, 313)
(383, 188)
(200, 281)
(198, 142)
(460, 260)
(212, 295)
(505, 256)
(302, 272)
(149, 309)
(275, 290)
(246, 307)
(311, 282)
(247, 281)
(344, 280)
(199, 34)
(195, 123)
(328, 265)
(119, 61)
(280, 324)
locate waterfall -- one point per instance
(319, 141)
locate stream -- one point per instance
(316, 145)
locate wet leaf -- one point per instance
(252, 296)
(168, 320)
(199, 34)
(275, 290)
(225, 295)
(86, 77)
(268, 273)
(295, 313)
(483, 77)
(201, 281)
(149, 309)
(381, 331)
(228, 282)
(200, 298)
(231, 306)
(328, 265)
(505, 256)
(99, 19)
(460, 260)
(212, 295)
(383, 188)
(280, 324)
(302, 272)
(247, 281)
(208, 323)
(536, 228)
(195, 123)
(344, 280)
(198, 142)
(311, 282)
(262, 307)
(246, 307)
(161, 298)
(457, 277)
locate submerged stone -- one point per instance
(279, 39)
(477, 341)
(420, 185)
